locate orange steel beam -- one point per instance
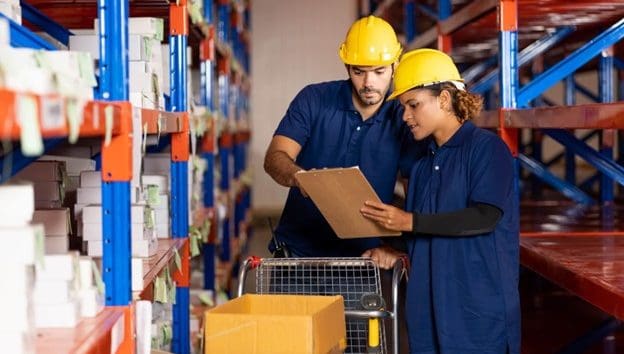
(117, 154)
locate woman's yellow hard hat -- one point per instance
(423, 67)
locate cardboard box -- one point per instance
(74, 164)
(43, 171)
(277, 324)
(19, 212)
(56, 244)
(56, 222)
(23, 241)
(49, 191)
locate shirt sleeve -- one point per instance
(491, 173)
(474, 220)
(297, 122)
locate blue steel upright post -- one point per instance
(508, 79)
(207, 53)
(570, 100)
(607, 136)
(178, 35)
(116, 162)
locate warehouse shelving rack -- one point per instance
(114, 325)
(572, 243)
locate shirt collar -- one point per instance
(460, 136)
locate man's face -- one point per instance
(370, 82)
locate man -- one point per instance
(341, 124)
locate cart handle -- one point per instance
(251, 262)
(368, 314)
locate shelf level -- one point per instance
(170, 122)
(52, 115)
(587, 116)
(92, 335)
(153, 265)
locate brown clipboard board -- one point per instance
(340, 193)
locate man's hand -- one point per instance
(388, 216)
(384, 256)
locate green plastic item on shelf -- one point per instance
(158, 127)
(177, 260)
(153, 195)
(73, 106)
(194, 11)
(160, 289)
(97, 276)
(85, 65)
(167, 334)
(194, 237)
(30, 132)
(40, 246)
(108, 124)
(149, 217)
(205, 299)
(205, 230)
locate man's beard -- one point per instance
(369, 101)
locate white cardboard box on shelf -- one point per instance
(161, 181)
(92, 214)
(58, 266)
(86, 272)
(93, 232)
(50, 292)
(43, 171)
(91, 302)
(85, 43)
(91, 179)
(162, 230)
(56, 244)
(147, 26)
(14, 341)
(22, 282)
(141, 82)
(60, 315)
(137, 274)
(19, 212)
(140, 248)
(23, 241)
(93, 195)
(20, 312)
(74, 164)
(56, 222)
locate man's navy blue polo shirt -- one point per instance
(462, 295)
(331, 132)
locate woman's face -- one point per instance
(422, 113)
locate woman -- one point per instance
(461, 223)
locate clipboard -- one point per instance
(339, 193)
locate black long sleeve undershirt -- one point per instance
(475, 220)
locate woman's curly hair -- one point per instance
(466, 105)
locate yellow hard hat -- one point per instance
(423, 67)
(370, 41)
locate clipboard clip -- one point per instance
(280, 251)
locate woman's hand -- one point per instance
(384, 256)
(387, 216)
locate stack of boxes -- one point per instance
(146, 71)
(56, 302)
(57, 228)
(144, 242)
(17, 260)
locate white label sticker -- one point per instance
(52, 113)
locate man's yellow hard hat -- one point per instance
(371, 41)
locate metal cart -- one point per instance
(356, 279)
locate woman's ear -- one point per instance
(444, 100)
